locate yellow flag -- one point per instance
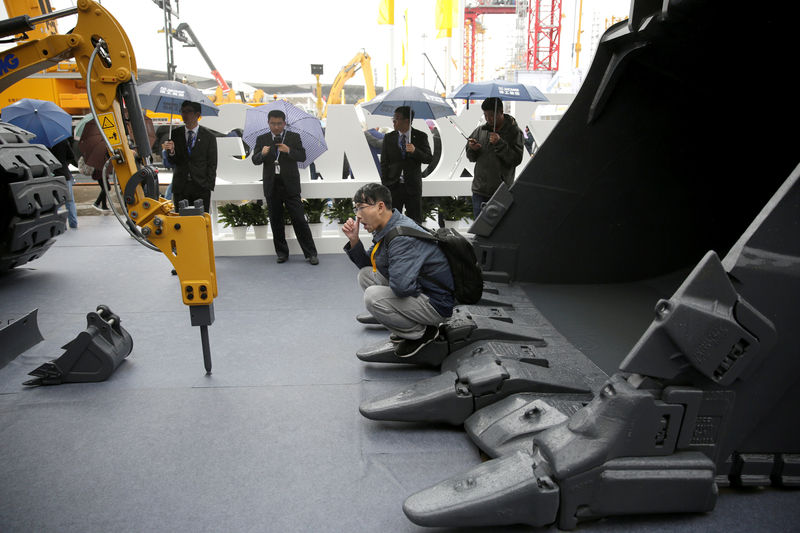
(444, 17)
(386, 12)
(405, 46)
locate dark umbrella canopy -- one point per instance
(256, 123)
(92, 145)
(502, 89)
(424, 103)
(166, 96)
(49, 123)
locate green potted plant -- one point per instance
(429, 208)
(453, 209)
(231, 216)
(314, 209)
(340, 210)
(255, 214)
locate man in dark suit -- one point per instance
(192, 152)
(402, 154)
(280, 151)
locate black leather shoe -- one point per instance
(282, 258)
(314, 260)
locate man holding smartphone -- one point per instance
(279, 151)
(496, 149)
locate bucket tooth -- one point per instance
(437, 399)
(511, 490)
(512, 423)
(482, 374)
(91, 356)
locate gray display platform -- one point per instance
(272, 440)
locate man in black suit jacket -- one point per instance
(280, 151)
(402, 154)
(192, 152)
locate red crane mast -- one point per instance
(543, 33)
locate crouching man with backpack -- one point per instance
(407, 282)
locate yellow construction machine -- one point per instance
(106, 62)
(361, 61)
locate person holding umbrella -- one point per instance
(496, 149)
(192, 152)
(280, 151)
(402, 154)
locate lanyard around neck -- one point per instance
(372, 256)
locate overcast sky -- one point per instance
(266, 41)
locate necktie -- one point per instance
(403, 144)
(190, 141)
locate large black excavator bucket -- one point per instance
(706, 398)
(676, 139)
(92, 356)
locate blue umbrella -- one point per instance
(307, 126)
(424, 103)
(502, 89)
(49, 123)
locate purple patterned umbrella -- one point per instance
(308, 127)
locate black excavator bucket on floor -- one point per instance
(706, 398)
(91, 356)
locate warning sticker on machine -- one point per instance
(110, 128)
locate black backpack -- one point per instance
(467, 275)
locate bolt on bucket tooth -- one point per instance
(91, 356)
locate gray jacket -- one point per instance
(407, 259)
(495, 163)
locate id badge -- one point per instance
(277, 168)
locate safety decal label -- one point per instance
(110, 128)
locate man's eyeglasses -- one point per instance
(359, 207)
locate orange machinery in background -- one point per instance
(61, 84)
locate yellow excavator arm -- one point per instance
(106, 60)
(361, 61)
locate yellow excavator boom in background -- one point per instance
(361, 61)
